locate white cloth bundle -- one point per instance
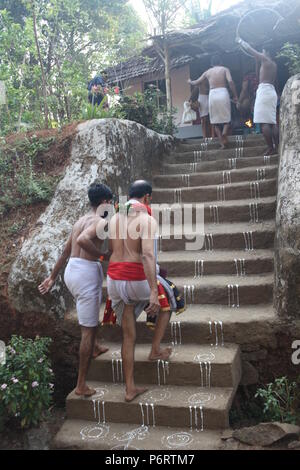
(189, 115)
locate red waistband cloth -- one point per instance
(126, 272)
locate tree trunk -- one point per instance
(21, 86)
(168, 77)
(44, 85)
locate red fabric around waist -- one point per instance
(126, 271)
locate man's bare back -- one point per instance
(80, 226)
(218, 77)
(268, 71)
(127, 233)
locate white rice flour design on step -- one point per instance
(201, 398)
(94, 432)
(139, 433)
(116, 354)
(205, 357)
(156, 395)
(178, 440)
(100, 392)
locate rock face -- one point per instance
(107, 150)
(287, 245)
(266, 434)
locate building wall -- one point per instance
(134, 86)
(181, 90)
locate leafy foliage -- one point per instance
(280, 400)
(20, 184)
(143, 108)
(75, 38)
(25, 381)
(291, 52)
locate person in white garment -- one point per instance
(219, 79)
(265, 108)
(84, 277)
(132, 279)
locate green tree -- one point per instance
(164, 13)
(49, 50)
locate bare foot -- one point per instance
(86, 391)
(268, 151)
(99, 350)
(274, 152)
(163, 354)
(135, 393)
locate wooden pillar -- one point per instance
(168, 76)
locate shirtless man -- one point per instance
(131, 279)
(266, 97)
(84, 278)
(219, 78)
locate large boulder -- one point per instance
(108, 150)
(287, 244)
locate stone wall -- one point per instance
(108, 150)
(287, 244)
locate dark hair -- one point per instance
(99, 193)
(216, 60)
(269, 50)
(139, 189)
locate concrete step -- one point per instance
(218, 165)
(250, 139)
(243, 190)
(78, 434)
(215, 144)
(183, 366)
(252, 290)
(216, 212)
(210, 155)
(188, 263)
(223, 237)
(172, 409)
(250, 324)
(214, 177)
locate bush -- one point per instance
(20, 184)
(143, 108)
(280, 400)
(291, 52)
(100, 112)
(26, 382)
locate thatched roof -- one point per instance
(217, 33)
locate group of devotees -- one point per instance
(216, 85)
(133, 280)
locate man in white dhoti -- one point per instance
(84, 278)
(131, 278)
(219, 79)
(265, 108)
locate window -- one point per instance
(161, 86)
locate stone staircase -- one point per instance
(228, 285)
